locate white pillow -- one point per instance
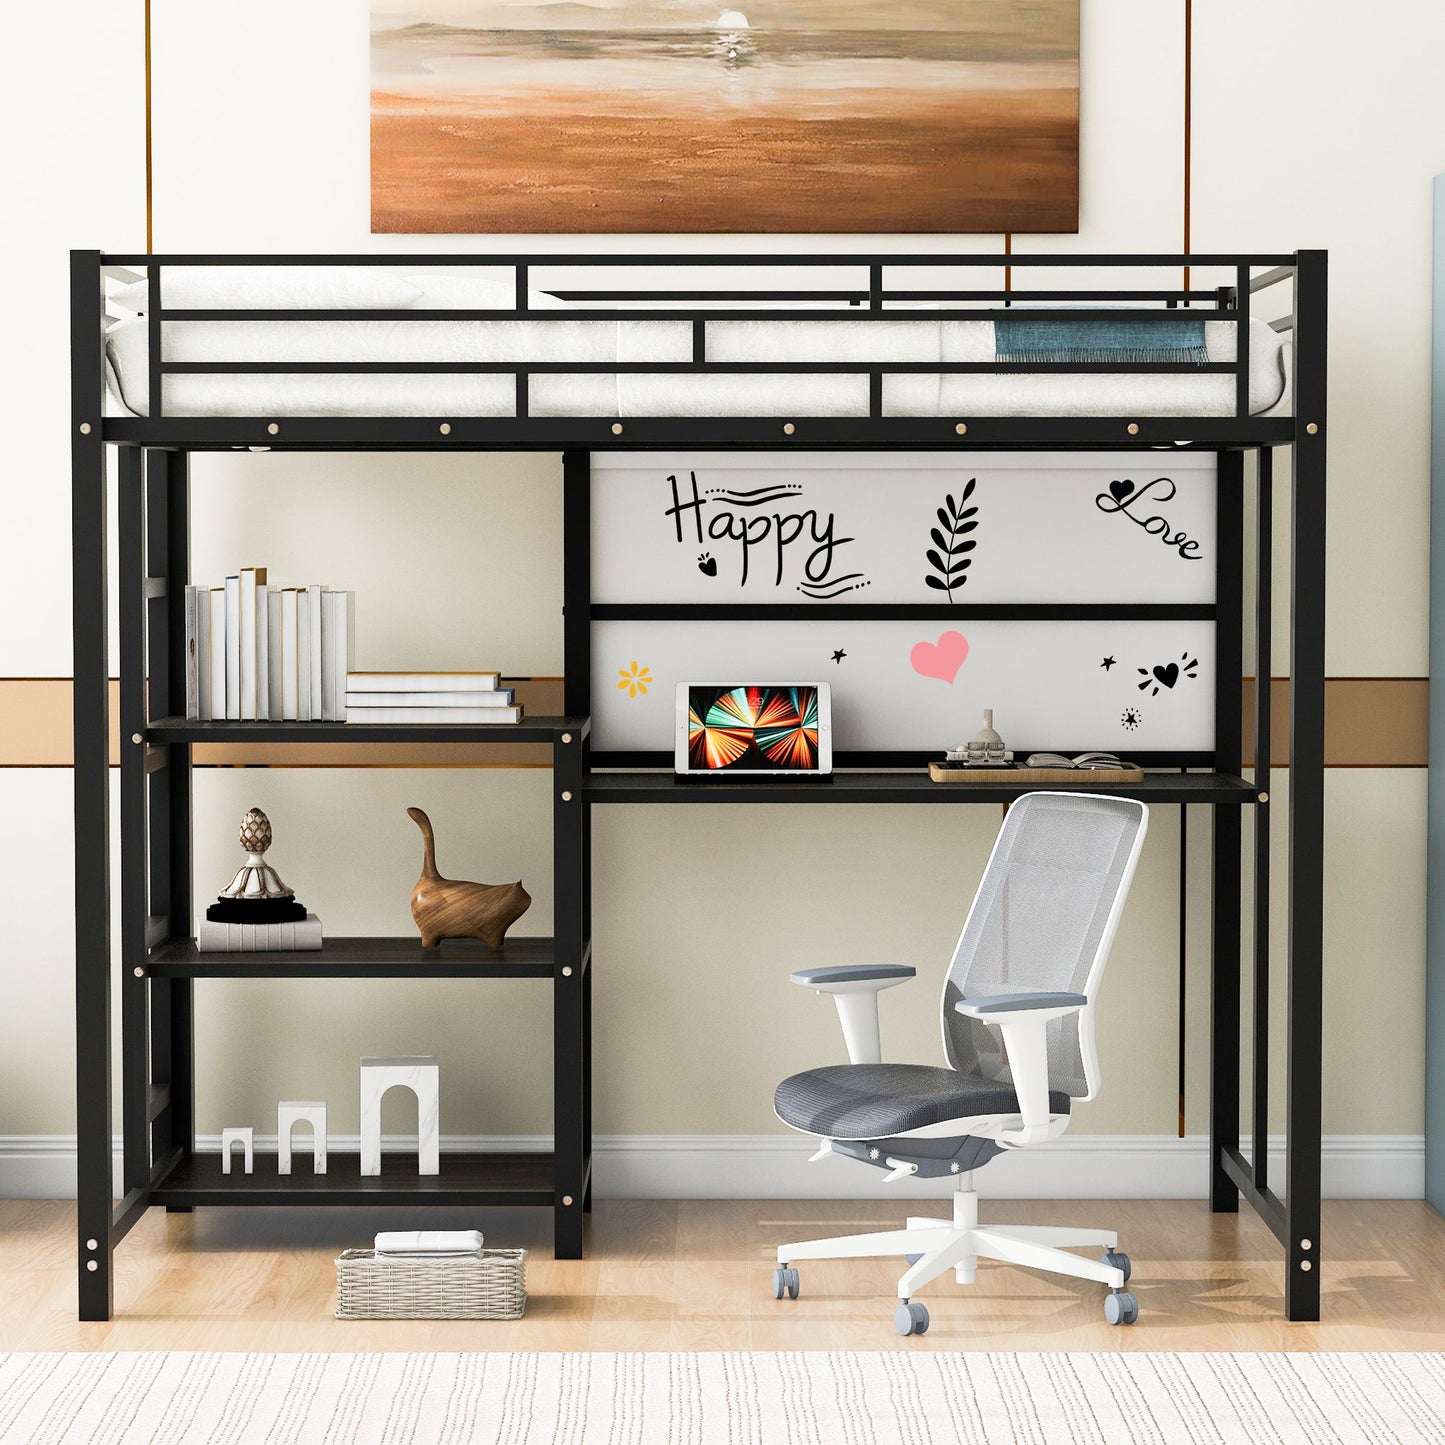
(318, 288)
(478, 293)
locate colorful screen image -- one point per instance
(752, 728)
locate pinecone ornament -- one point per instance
(256, 878)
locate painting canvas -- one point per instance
(528, 116)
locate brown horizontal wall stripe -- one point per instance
(1370, 722)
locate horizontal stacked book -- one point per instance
(429, 697)
(258, 653)
(302, 937)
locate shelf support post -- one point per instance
(1224, 976)
(91, 670)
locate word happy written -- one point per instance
(731, 516)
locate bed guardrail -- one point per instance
(886, 289)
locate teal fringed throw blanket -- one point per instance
(1180, 338)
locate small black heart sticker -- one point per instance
(1121, 490)
(1168, 675)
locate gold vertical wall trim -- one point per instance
(1188, 122)
(150, 235)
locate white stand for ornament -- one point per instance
(246, 1138)
(289, 1113)
(422, 1075)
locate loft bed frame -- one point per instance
(156, 953)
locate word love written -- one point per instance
(757, 522)
(1134, 502)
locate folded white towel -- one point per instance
(428, 1243)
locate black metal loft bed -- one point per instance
(156, 953)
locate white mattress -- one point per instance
(606, 394)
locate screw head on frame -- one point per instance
(274, 428)
(566, 737)
(566, 1199)
(445, 428)
(617, 428)
(567, 971)
(788, 429)
(962, 428)
(85, 428)
(1264, 797)
(92, 1265)
(1133, 428)
(566, 797)
(136, 738)
(140, 973)
(1313, 428)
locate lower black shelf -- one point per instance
(478, 1179)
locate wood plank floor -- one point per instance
(694, 1274)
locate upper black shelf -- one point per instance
(540, 729)
(908, 787)
(363, 958)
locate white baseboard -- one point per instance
(773, 1166)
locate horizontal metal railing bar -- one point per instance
(383, 260)
(860, 296)
(642, 313)
(685, 368)
(907, 611)
(1272, 278)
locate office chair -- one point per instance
(1018, 1031)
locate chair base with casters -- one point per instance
(934, 1246)
(1017, 1011)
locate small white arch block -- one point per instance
(421, 1073)
(246, 1138)
(291, 1112)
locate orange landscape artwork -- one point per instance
(528, 116)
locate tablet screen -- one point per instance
(752, 729)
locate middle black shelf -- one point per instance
(365, 958)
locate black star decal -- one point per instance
(839, 655)
(1107, 663)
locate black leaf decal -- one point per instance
(951, 543)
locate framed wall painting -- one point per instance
(623, 116)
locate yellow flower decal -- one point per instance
(634, 679)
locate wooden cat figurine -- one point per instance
(453, 908)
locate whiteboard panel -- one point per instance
(1046, 681)
(917, 527)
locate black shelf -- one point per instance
(530, 730)
(363, 958)
(478, 1179)
(909, 787)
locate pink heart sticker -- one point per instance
(941, 659)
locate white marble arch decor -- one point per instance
(421, 1073)
(291, 1112)
(246, 1138)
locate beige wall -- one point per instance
(1310, 130)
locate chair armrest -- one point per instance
(876, 975)
(855, 988)
(1023, 1019)
(1000, 1003)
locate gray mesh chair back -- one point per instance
(1043, 920)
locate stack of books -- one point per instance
(218, 937)
(429, 697)
(258, 653)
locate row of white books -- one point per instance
(258, 653)
(302, 937)
(429, 697)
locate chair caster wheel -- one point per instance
(1120, 1307)
(1117, 1259)
(911, 1319)
(785, 1282)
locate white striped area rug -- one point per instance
(740, 1399)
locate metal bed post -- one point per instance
(1224, 1053)
(91, 668)
(569, 1003)
(1263, 622)
(1305, 971)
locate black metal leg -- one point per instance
(1224, 1053)
(569, 1013)
(1303, 1254)
(91, 667)
(134, 888)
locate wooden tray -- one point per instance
(1129, 773)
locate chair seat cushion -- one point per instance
(873, 1101)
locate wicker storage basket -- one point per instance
(492, 1287)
